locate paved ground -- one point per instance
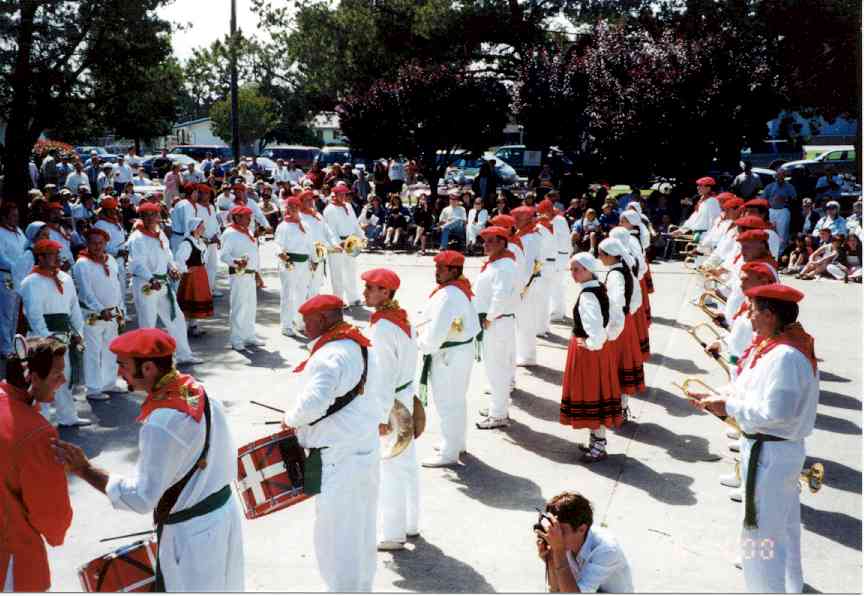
(658, 490)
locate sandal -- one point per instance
(597, 453)
(593, 441)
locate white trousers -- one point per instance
(244, 304)
(123, 276)
(343, 277)
(158, 305)
(771, 553)
(294, 286)
(211, 263)
(100, 363)
(400, 490)
(781, 218)
(499, 360)
(543, 307)
(9, 584)
(64, 403)
(557, 295)
(204, 554)
(448, 380)
(316, 280)
(9, 301)
(526, 325)
(345, 517)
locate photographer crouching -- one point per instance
(578, 556)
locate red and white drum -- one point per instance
(270, 474)
(131, 568)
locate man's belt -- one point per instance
(163, 279)
(293, 257)
(750, 483)
(427, 367)
(478, 343)
(233, 271)
(61, 323)
(552, 260)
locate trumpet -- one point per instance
(812, 477)
(353, 245)
(457, 326)
(685, 388)
(703, 304)
(320, 251)
(693, 331)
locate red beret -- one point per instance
(382, 277)
(306, 194)
(109, 203)
(763, 203)
(725, 196)
(205, 188)
(524, 210)
(776, 291)
(341, 187)
(239, 210)
(99, 232)
(495, 232)
(546, 206)
(761, 269)
(293, 201)
(239, 186)
(450, 258)
(751, 222)
(503, 220)
(143, 343)
(753, 236)
(706, 181)
(46, 247)
(149, 208)
(320, 303)
(733, 203)
(55, 206)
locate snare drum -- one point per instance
(131, 568)
(270, 474)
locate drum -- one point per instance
(131, 568)
(270, 474)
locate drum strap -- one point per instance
(103, 573)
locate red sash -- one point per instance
(52, 273)
(104, 262)
(396, 315)
(176, 391)
(461, 283)
(340, 331)
(504, 255)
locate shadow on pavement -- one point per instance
(672, 489)
(553, 338)
(481, 482)
(545, 373)
(675, 406)
(838, 476)
(539, 407)
(838, 527)
(686, 448)
(427, 568)
(837, 425)
(838, 400)
(668, 322)
(828, 377)
(261, 358)
(114, 425)
(683, 365)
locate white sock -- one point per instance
(625, 400)
(600, 433)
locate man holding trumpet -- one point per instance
(773, 399)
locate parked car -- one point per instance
(178, 158)
(463, 170)
(514, 155)
(334, 154)
(85, 151)
(266, 163)
(199, 152)
(841, 158)
(302, 155)
(770, 153)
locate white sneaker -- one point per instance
(737, 495)
(391, 545)
(730, 480)
(218, 294)
(98, 396)
(192, 359)
(438, 462)
(78, 421)
(256, 342)
(490, 423)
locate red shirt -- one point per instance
(34, 494)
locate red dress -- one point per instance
(34, 494)
(646, 303)
(629, 358)
(194, 295)
(642, 332)
(591, 393)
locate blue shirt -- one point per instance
(779, 195)
(836, 225)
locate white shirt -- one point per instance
(548, 249)
(147, 258)
(258, 218)
(531, 247)
(478, 219)
(211, 220)
(331, 372)
(294, 176)
(600, 565)
(236, 245)
(617, 301)
(41, 297)
(96, 291)
(75, 180)
(81, 211)
(65, 247)
(392, 364)
(396, 171)
(184, 251)
(706, 212)
(740, 335)
(495, 291)
(116, 233)
(21, 268)
(520, 278)
(123, 174)
(289, 238)
(169, 444)
(342, 222)
(446, 306)
(182, 212)
(563, 246)
(449, 214)
(591, 316)
(12, 246)
(315, 228)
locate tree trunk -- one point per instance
(137, 146)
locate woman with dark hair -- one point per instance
(334, 175)
(380, 179)
(424, 220)
(502, 206)
(396, 221)
(848, 263)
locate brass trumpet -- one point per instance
(685, 388)
(693, 331)
(703, 304)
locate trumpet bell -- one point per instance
(401, 431)
(813, 477)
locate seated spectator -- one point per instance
(853, 222)
(396, 221)
(809, 216)
(798, 257)
(424, 221)
(530, 200)
(573, 212)
(371, 219)
(823, 256)
(609, 217)
(270, 210)
(452, 220)
(587, 232)
(848, 263)
(502, 207)
(831, 220)
(660, 240)
(477, 218)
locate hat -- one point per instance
(807, 201)
(238, 187)
(340, 188)
(706, 181)
(587, 260)
(761, 269)
(753, 236)
(55, 205)
(546, 206)
(239, 210)
(751, 222)
(306, 194)
(108, 203)
(761, 203)
(149, 208)
(613, 247)
(523, 210)
(776, 291)
(382, 277)
(203, 188)
(503, 220)
(633, 218)
(47, 186)
(83, 187)
(733, 203)
(100, 232)
(454, 193)
(65, 191)
(450, 258)
(833, 204)
(44, 247)
(295, 201)
(320, 303)
(724, 196)
(147, 342)
(494, 232)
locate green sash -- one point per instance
(312, 471)
(427, 368)
(61, 323)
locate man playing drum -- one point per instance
(184, 472)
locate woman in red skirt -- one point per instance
(620, 282)
(635, 249)
(591, 394)
(193, 295)
(632, 220)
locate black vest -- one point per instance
(194, 259)
(602, 298)
(628, 284)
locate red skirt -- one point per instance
(591, 395)
(646, 303)
(642, 333)
(194, 295)
(649, 280)
(631, 370)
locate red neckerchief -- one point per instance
(295, 219)
(395, 315)
(242, 230)
(462, 283)
(793, 336)
(104, 262)
(339, 331)
(176, 391)
(526, 229)
(140, 227)
(507, 254)
(737, 258)
(545, 223)
(517, 241)
(111, 220)
(310, 211)
(52, 273)
(60, 230)
(341, 204)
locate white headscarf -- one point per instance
(191, 225)
(33, 230)
(630, 243)
(587, 260)
(632, 217)
(635, 206)
(614, 248)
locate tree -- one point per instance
(424, 111)
(256, 113)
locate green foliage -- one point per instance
(257, 116)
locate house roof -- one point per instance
(191, 122)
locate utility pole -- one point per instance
(235, 115)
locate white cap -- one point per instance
(633, 218)
(587, 260)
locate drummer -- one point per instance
(184, 472)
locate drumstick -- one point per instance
(266, 406)
(127, 536)
(269, 422)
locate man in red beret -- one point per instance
(727, 233)
(104, 310)
(709, 240)
(35, 496)
(205, 210)
(13, 242)
(340, 218)
(186, 464)
(759, 208)
(446, 332)
(295, 251)
(548, 254)
(240, 253)
(773, 399)
(51, 307)
(152, 266)
(496, 301)
(514, 245)
(706, 210)
(338, 422)
(58, 232)
(313, 222)
(110, 221)
(258, 219)
(392, 367)
(531, 294)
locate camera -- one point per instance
(539, 526)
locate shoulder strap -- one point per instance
(169, 498)
(344, 400)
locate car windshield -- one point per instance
(330, 157)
